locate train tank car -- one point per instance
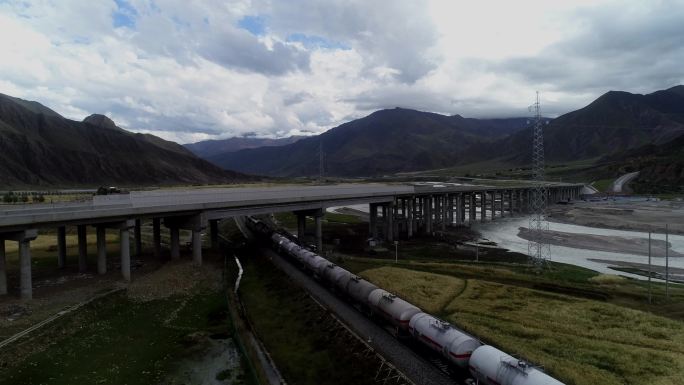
(358, 289)
(453, 344)
(392, 308)
(337, 277)
(491, 366)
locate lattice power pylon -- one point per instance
(538, 250)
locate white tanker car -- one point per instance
(485, 363)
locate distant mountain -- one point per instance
(385, 141)
(208, 148)
(40, 147)
(612, 124)
(399, 140)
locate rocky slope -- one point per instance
(38, 147)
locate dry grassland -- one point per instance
(579, 341)
(432, 291)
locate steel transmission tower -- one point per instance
(539, 252)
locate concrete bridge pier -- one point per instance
(82, 248)
(409, 217)
(373, 220)
(488, 204)
(383, 210)
(483, 206)
(197, 246)
(444, 210)
(428, 214)
(301, 226)
(195, 223)
(388, 221)
(502, 197)
(3, 269)
(24, 239)
(61, 247)
(317, 215)
(459, 209)
(418, 215)
(125, 248)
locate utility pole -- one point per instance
(396, 251)
(667, 264)
(538, 251)
(649, 267)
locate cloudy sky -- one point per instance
(193, 70)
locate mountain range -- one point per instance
(623, 130)
(386, 141)
(38, 147)
(209, 148)
(397, 140)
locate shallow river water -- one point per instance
(504, 232)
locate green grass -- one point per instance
(602, 185)
(116, 341)
(584, 327)
(580, 341)
(297, 331)
(433, 291)
(577, 171)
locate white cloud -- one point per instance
(186, 71)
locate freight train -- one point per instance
(487, 364)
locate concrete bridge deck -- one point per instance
(404, 210)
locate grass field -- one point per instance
(578, 340)
(432, 291)
(302, 338)
(578, 171)
(602, 185)
(116, 341)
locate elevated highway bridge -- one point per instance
(396, 210)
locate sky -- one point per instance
(190, 70)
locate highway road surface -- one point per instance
(622, 181)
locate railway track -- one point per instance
(414, 367)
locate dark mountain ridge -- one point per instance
(40, 147)
(385, 141)
(612, 124)
(208, 148)
(399, 140)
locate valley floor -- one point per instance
(624, 214)
(170, 325)
(582, 326)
